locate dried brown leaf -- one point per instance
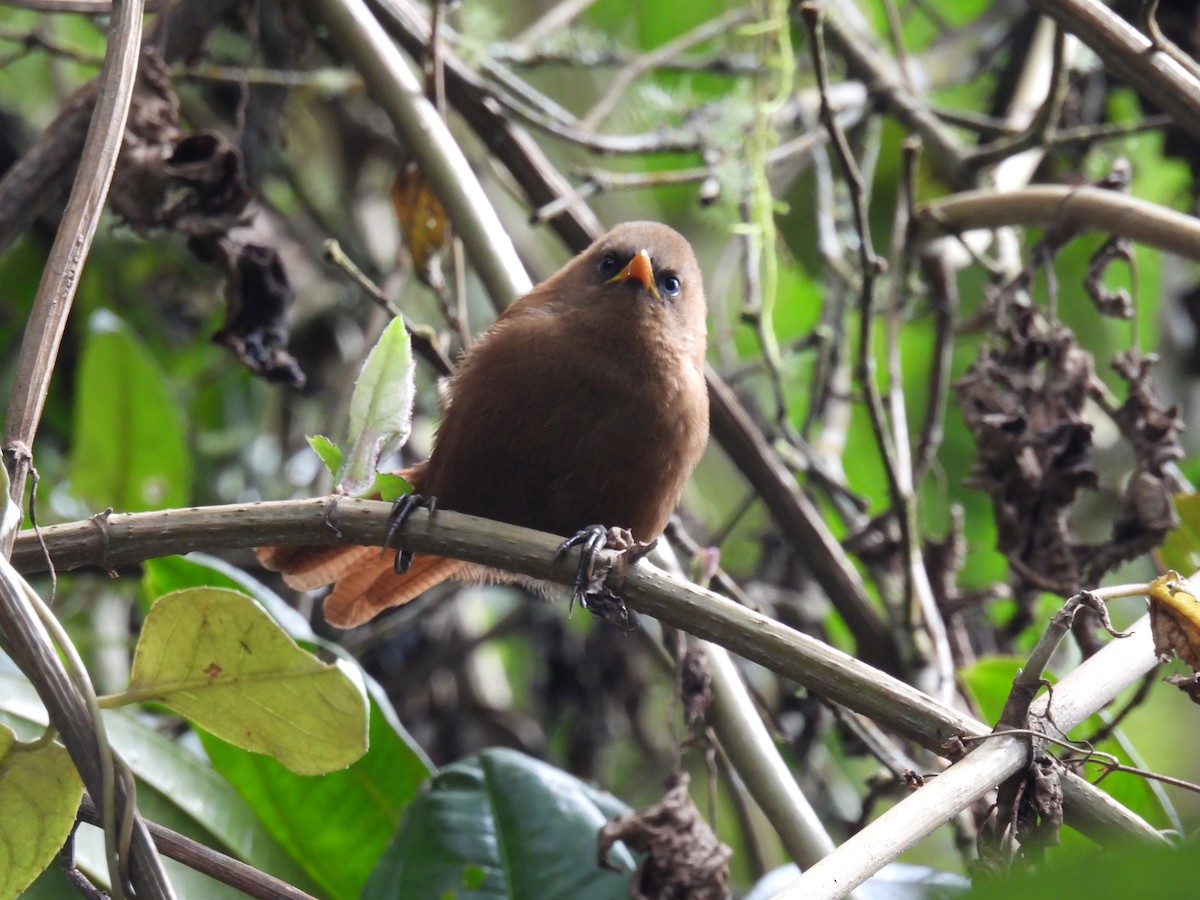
(1174, 619)
(422, 221)
(258, 296)
(684, 860)
(190, 182)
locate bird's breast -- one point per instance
(557, 434)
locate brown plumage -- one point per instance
(583, 404)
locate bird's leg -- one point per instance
(592, 540)
(402, 508)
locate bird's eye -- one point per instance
(669, 285)
(609, 265)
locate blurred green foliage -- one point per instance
(146, 412)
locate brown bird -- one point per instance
(584, 403)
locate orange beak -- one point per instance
(641, 270)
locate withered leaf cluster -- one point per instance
(684, 860)
(1039, 816)
(193, 183)
(190, 182)
(1175, 626)
(1023, 400)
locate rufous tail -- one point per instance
(363, 578)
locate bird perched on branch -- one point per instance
(581, 411)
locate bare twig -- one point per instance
(871, 66)
(97, 7)
(508, 142)
(394, 86)
(623, 79)
(247, 879)
(52, 306)
(1149, 16)
(422, 343)
(943, 294)
(1131, 55)
(557, 17)
(537, 110)
(1043, 121)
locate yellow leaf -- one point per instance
(39, 793)
(422, 221)
(216, 657)
(1175, 619)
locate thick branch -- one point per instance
(118, 539)
(1132, 55)
(1080, 694)
(1104, 211)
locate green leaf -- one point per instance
(176, 787)
(528, 827)
(390, 486)
(381, 407)
(39, 793)
(1123, 869)
(330, 453)
(337, 825)
(129, 450)
(216, 657)
(1181, 549)
(989, 682)
(165, 574)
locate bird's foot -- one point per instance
(590, 576)
(402, 508)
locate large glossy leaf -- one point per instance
(216, 657)
(129, 450)
(503, 825)
(336, 825)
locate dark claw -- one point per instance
(402, 508)
(591, 540)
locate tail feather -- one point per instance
(374, 586)
(364, 580)
(305, 568)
